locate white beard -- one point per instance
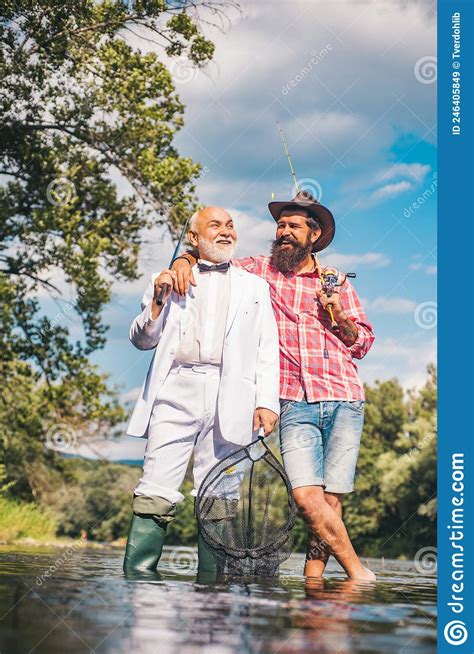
(214, 252)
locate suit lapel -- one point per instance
(237, 284)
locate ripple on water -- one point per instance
(74, 601)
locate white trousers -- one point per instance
(184, 418)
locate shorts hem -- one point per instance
(299, 483)
(309, 481)
(337, 489)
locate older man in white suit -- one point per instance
(212, 384)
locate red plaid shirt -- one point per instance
(305, 334)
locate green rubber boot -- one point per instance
(206, 561)
(144, 545)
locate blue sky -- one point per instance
(353, 86)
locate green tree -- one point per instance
(385, 415)
(93, 496)
(408, 483)
(82, 111)
(393, 509)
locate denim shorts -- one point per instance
(319, 442)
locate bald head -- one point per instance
(211, 231)
(206, 214)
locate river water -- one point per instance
(73, 601)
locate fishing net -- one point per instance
(245, 512)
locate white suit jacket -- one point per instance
(250, 374)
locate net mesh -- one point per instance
(245, 512)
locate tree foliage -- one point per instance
(88, 122)
(393, 508)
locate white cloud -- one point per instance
(332, 111)
(428, 270)
(391, 305)
(386, 192)
(131, 395)
(415, 171)
(56, 277)
(405, 358)
(348, 261)
(254, 235)
(126, 448)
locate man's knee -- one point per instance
(309, 499)
(158, 507)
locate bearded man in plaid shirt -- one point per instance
(322, 398)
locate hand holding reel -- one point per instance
(330, 281)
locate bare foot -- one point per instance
(364, 575)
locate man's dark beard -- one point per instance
(287, 259)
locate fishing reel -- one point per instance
(331, 278)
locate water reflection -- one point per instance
(87, 604)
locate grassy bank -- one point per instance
(25, 520)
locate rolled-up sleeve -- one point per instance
(353, 308)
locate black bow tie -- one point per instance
(218, 267)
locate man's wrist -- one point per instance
(185, 257)
(191, 256)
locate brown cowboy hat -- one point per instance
(304, 200)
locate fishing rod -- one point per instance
(165, 287)
(329, 276)
(288, 157)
